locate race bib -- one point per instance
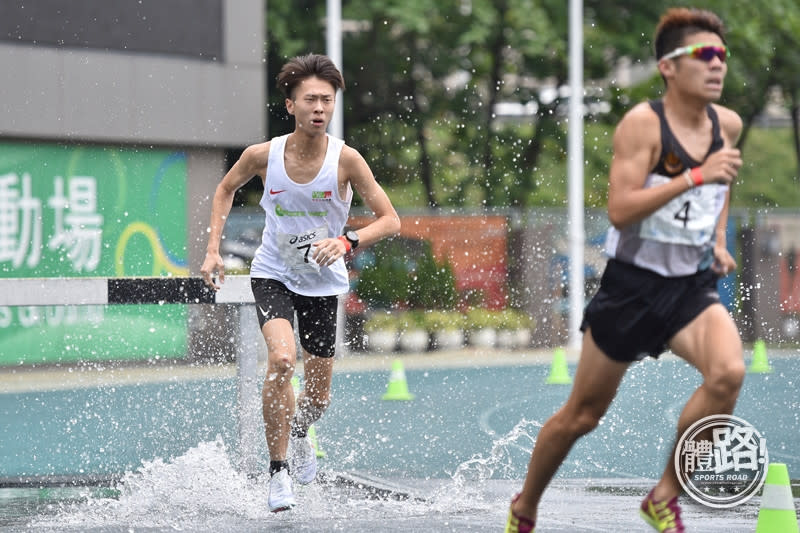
(297, 250)
(688, 219)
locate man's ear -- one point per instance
(666, 67)
(289, 106)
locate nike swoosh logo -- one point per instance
(272, 191)
(263, 313)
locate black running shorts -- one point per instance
(636, 311)
(316, 315)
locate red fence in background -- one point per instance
(476, 247)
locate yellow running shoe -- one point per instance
(517, 523)
(664, 516)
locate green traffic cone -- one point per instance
(312, 434)
(777, 512)
(397, 389)
(559, 375)
(759, 364)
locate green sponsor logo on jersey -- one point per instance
(281, 212)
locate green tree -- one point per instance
(424, 78)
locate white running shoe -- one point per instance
(304, 460)
(281, 496)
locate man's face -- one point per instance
(312, 105)
(700, 76)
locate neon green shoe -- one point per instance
(664, 516)
(517, 523)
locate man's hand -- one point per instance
(722, 166)
(328, 251)
(724, 262)
(213, 265)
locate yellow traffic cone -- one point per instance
(759, 364)
(312, 431)
(777, 513)
(397, 389)
(559, 375)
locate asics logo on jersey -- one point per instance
(273, 191)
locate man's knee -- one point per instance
(280, 367)
(578, 423)
(725, 378)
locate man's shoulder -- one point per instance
(642, 112)
(258, 150)
(349, 155)
(640, 122)
(728, 118)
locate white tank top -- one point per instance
(298, 215)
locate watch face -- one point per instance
(352, 236)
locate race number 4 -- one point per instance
(683, 213)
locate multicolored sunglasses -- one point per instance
(702, 51)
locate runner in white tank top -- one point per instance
(297, 217)
(309, 179)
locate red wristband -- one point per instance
(697, 176)
(347, 245)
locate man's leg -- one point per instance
(315, 398)
(277, 394)
(711, 344)
(596, 381)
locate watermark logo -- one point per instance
(721, 461)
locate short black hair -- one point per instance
(679, 22)
(301, 68)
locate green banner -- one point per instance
(91, 211)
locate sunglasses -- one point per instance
(704, 52)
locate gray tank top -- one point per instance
(678, 238)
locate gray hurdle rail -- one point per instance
(164, 290)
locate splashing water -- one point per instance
(198, 487)
(202, 490)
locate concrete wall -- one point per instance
(79, 93)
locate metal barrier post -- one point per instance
(248, 390)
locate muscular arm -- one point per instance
(637, 144)
(252, 162)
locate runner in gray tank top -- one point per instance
(669, 186)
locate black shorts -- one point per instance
(636, 311)
(316, 315)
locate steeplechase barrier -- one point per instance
(165, 290)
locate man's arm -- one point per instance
(637, 145)
(731, 128)
(386, 221)
(252, 162)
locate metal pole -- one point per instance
(333, 36)
(575, 158)
(336, 127)
(250, 425)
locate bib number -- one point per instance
(297, 250)
(689, 219)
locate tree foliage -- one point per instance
(424, 79)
